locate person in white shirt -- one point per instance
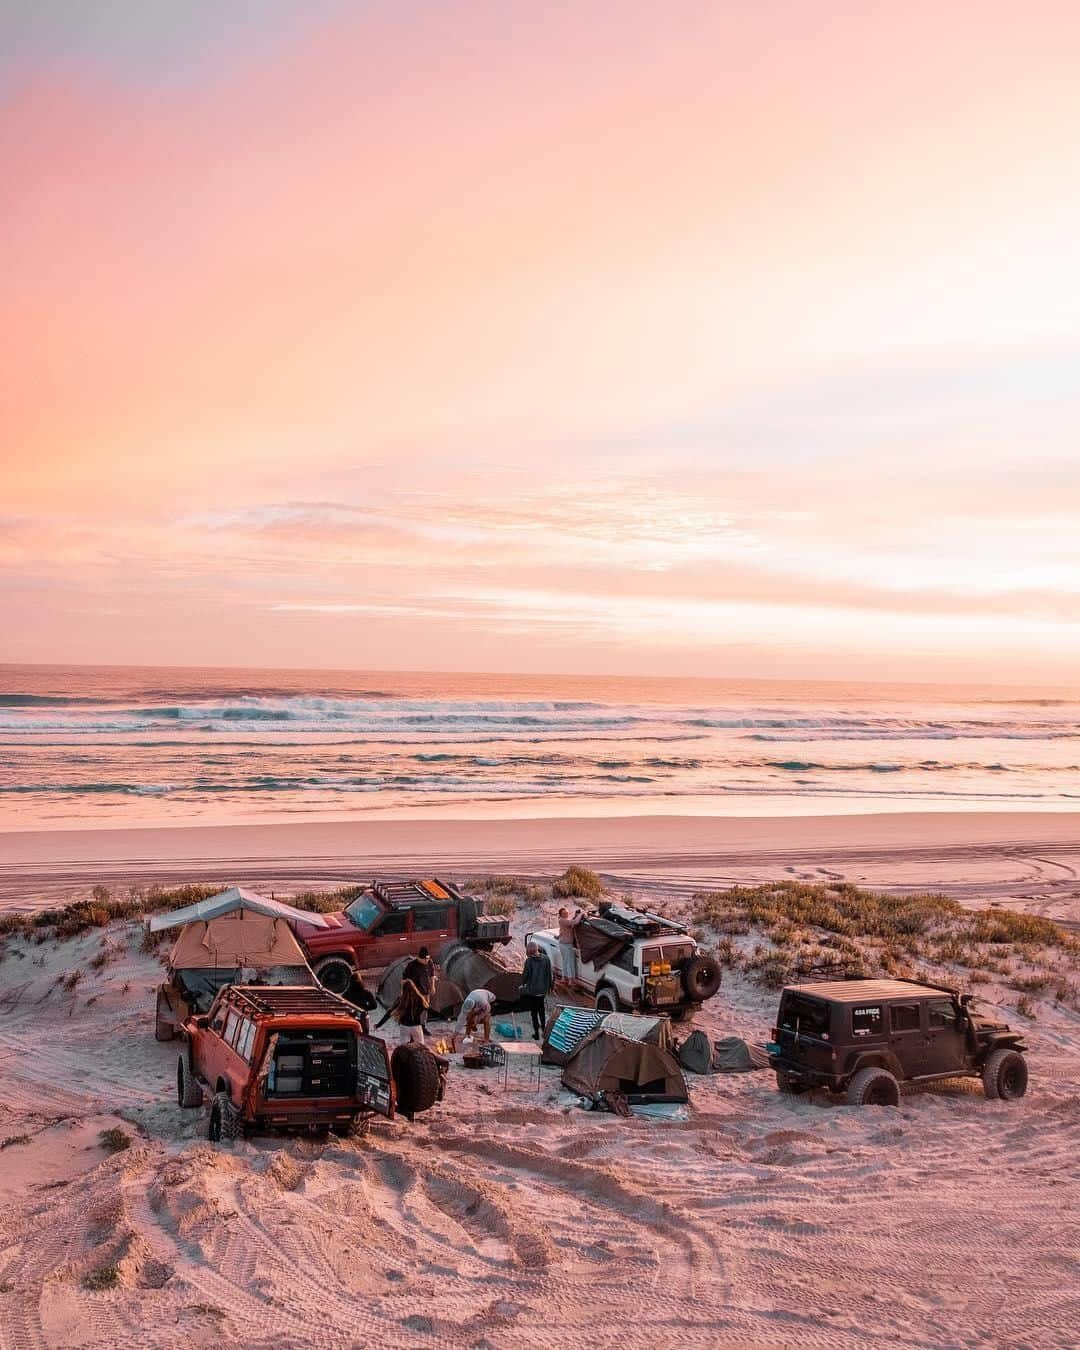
(475, 1012)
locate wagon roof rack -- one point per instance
(289, 1000)
(635, 922)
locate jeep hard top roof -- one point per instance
(867, 991)
(406, 894)
(286, 1000)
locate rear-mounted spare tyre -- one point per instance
(701, 978)
(336, 974)
(873, 1087)
(416, 1079)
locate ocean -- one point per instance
(96, 746)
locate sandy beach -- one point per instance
(509, 1217)
(1030, 861)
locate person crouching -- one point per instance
(475, 1014)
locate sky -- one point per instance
(721, 339)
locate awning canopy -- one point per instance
(228, 902)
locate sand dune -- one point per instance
(507, 1219)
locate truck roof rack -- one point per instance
(406, 894)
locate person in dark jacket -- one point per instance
(417, 986)
(537, 981)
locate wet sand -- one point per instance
(1030, 861)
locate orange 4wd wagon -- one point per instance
(281, 1057)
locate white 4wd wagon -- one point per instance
(631, 959)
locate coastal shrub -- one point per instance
(326, 902)
(14, 1139)
(1025, 1007)
(809, 925)
(501, 905)
(114, 1140)
(513, 888)
(577, 883)
(104, 1277)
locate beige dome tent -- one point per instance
(234, 932)
(606, 1062)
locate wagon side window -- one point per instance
(231, 1023)
(397, 921)
(905, 1017)
(246, 1038)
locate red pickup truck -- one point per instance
(390, 919)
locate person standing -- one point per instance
(568, 926)
(537, 981)
(417, 985)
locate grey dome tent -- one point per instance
(606, 1062)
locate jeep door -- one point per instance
(943, 1048)
(907, 1038)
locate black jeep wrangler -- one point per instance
(866, 1037)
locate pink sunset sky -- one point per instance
(731, 338)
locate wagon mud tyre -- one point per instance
(701, 978)
(164, 1027)
(225, 1124)
(335, 974)
(1005, 1075)
(606, 1000)
(873, 1087)
(791, 1087)
(416, 1079)
(189, 1093)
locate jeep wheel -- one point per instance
(873, 1087)
(1005, 1075)
(336, 974)
(164, 1030)
(791, 1086)
(416, 1079)
(701, 978)
(606, 1000)
(189, 1093)
(225, 1123)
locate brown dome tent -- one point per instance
(606, 1062)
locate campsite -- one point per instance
(509, 1212)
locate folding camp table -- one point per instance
(521, 1052)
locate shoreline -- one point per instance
(1026, 859)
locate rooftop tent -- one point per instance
(609, 1063)
(235, 940)
(228, 902)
